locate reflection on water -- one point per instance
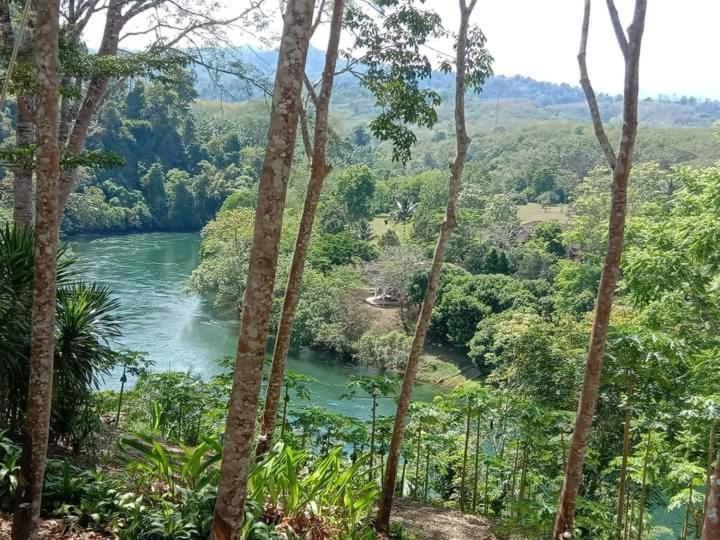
(183, 332)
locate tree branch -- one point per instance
(590, 93)
(617, 26)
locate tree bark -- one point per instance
(477, 463)
(37, 421)
(463, 473)
(621, 171)
(114, 22)
(623, 467)
(643, 489)
(708, 466)
(262, 270)
(711, 524)
(22, 176)
(382, 520)
(319, 171)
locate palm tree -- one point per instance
(404, 211)
(86, 323)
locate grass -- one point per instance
(384, 222)
(530, 212)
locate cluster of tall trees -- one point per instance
(55, 106)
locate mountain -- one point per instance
(502, 96)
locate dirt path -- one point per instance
(441, 524)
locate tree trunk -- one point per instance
(514, 472)
(623, 467)
(319, 171)
(417, 463)
(257, 302)
(463, 472)
(629, 522)
(382, 520)
(42, 345)
(372, 438)
(114, 22)
(427, 473)
(22, 176)
(621, 171)
(688, 507)
(711, 525)
(643, 491)
(477, 463)
(708, 466)
(286, 400)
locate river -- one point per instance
(180, 331)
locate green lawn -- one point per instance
(530, 212)
(380, 227)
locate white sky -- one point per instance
(539, 39)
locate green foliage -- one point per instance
(225, 252)
(388, 352)
(86, 323)
(339, 249)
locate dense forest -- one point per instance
(542, 258)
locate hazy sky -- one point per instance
(539, 39)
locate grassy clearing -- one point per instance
(384, 222)
(530, 212)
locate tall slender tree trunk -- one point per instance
(623, 467)
(372, 438)
(427, 473)
(477, 464)
(616, 230)
(688, 507)
(643, 487)
(286, 400)
(711, 524)
(22, 175)
(708, 465)
(382, 520)
(257, 302)
(463, 472)
(417, 462)
(42, 345)
(319, 171)
(114, 22)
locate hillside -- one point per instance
(507, 99)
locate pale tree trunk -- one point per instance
(709, 467)
(22, 176)
(319, 171)
(24, 121)
(711, 525)
(94, 95)
(623, 467)
(257, 302)
(611, 269)
(643, 486)
(382, 520)
(42, 347)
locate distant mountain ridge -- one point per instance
(552, 100)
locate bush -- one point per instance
(389, 351)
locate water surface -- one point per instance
(180, 331)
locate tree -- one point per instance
(376, 386)
(620, 165)
(42, 344)
(257, 302)
(470, 51)
(319, 171)
(711, 525)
